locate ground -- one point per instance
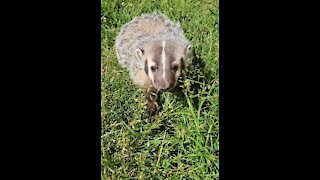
(182, 142)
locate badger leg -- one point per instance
(152, 101)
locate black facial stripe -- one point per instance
(146, 67)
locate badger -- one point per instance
(154, 50)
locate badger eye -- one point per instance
(174, 68)
(153, 68)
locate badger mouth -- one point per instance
(166, 90)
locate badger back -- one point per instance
(143, 29)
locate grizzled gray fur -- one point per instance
(154, 50)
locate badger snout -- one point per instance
(165, 85)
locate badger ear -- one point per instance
(188, 49)
(187, 56)
(139, 53)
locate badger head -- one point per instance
(164, 61)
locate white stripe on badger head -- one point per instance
(163, 59)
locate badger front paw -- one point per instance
(152, 103)
(152, 108)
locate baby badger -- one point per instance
(154, 50)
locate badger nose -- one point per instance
(165, 85)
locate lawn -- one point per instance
(182, 142)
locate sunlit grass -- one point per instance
(183, 141)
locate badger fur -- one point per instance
(154, 50)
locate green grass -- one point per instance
(183, 141)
